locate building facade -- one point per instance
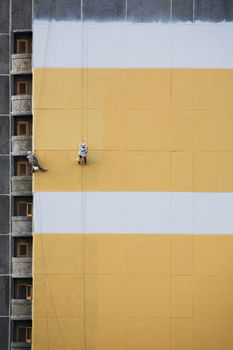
(133, 250)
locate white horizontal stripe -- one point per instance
(130, 45)
(133, 212)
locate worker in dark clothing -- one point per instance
(34, 163)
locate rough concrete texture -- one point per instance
(21, 104)
(4, 292)
(4, 16)
(4, 95)
(21, 64)
(21, 225)
(182, 10)
(60, 9)
(21, 14)
(4, 54)
(151, 10)
(4, 254)
(22, 267)
(104, 9)
(22, 184)
(4, 333)
(4, 218)
(21, 308)
(214, 10)
(4, 134)
(4, 174)
(21, 144)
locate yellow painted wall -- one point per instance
(147, 130)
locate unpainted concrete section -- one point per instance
(4, 16)
(4, 134)
(4, 95)
(4, 54)
(21, 308)
(22, 267)
(104, 10)
(4, 210)
(60, 9)
(21, 104)
(4, 174)
(4, 299)
(21, 14)
(214, 10)
(4, 333)
(4, 254)
(22, 184)
(147, 11)
(21, 144)
(21, 226)
(182, 10)
(21, 64)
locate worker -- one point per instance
(83, 150)
(34, 162)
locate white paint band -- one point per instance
(133, 212)
(130, 45)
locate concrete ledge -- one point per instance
(21, 104)
(21, 226)
(21, 309)
(22, 267)
(21, 64)
(22, 185)
(22, 346)
(21, 145)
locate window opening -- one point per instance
(24, 209)
(22, 249)
(22, 87)
(22, 168)
(23, 128)
(24, 291)
(22, 46)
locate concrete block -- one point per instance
(22, 267)
(21, 64)
(21, 309)
(4, 292)
(21, 14)
(22, 185)
(20, 346)
(4, 217)
(4, 18)
(21, 104)
(60, 9)
(4, 95)
(4, 54)
(182, 10)
(4, 174)
(228, 10)
(4, 134)
(149, 11)
(104, 10)
(21, 144)
(21, 226)
(4, 254)
(4, 324)
(209, 10)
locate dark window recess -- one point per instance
(24, 334)
(24, 291)
(22, 88)
(22, 249)
(23, 128)
(22, 46)
(24, 209)
(22, 169)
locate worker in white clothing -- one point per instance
(82, 154)
(34, 162)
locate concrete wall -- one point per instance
(136, 10)
(4, 174)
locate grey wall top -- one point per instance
(135, 10)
